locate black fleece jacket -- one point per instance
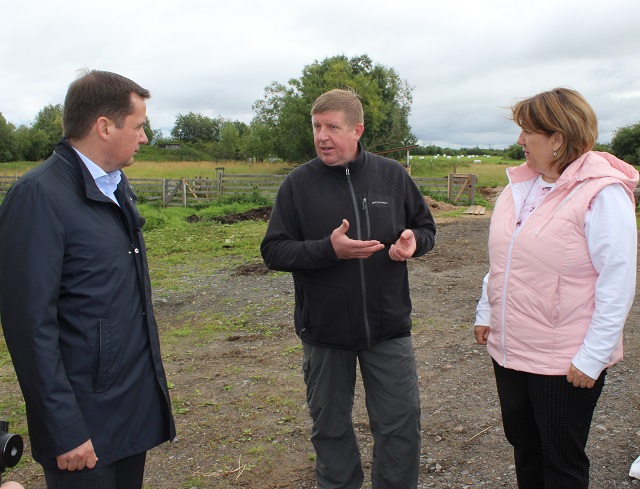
(348, 304)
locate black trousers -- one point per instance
(123, 474)
(547, 420)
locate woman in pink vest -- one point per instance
(562, 271)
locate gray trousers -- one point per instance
(393, 403)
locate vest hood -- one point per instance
(592, 164)
(597, 164)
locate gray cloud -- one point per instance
(467, 61)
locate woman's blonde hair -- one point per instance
(564, 111)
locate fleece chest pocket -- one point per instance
(378, 213)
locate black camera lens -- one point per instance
(10, 447)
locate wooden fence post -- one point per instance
(220, 175)
(472, 194)
(165, 192)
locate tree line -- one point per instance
(280, 127)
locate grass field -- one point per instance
(491, 170)
(170, 169)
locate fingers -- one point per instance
(347, 248)
(364, 249)
(63, 462)
(75, 463)
(341, 231)
(78, 458)
(481, 333)
(579, 378)
(71, 464)
(582, 382)
(91, 461)
(344, 227)
(407, 235)
(404, 248)
(398, 254)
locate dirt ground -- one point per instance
(239, 398)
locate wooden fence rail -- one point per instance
(186, 192)
(193, 191)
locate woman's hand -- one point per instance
(579, 379)
(482, 333)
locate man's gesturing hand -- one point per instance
(404, 248)
(347, 248)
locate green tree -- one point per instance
(229, 139)
(149, 132)
(386, 98)
(7, 140)
(625, 143)
(46, 132)
(32, 144)
(514, 152)
(255, 143)
(242, 128)
(193, 128)
(602, 147)
(427, 150)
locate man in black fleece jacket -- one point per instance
(345, 224)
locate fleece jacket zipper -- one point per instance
(363, 285)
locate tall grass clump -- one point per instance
(203, 169)
(17, 168)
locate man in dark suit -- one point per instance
(75, 296)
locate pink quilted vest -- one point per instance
(541, 283)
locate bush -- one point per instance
(625, 143)
(514, 152)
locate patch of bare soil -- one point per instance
(260, 214)
(239, 397)
(436, 206)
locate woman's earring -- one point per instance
(555, 154)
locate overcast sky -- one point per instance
(468, 60)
